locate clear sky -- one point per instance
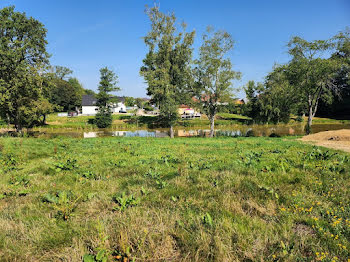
(86, 35)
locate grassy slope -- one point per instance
(223, 199)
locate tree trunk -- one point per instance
(43, 122)
(309, 121)
(171, 131)
(18, 128)
(212, 119)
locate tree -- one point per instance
(139, 102)
(62, 72)
(213, 73)
(23, 59)
(67, 95)
(129, 101)
(312, 74)
(253, 107)
(276, 99)
(166, 68)
(43, 108)
(108, 84)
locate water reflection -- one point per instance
(233, 131)
(241, 131)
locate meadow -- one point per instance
(193, 199)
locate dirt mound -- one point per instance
(338, 139)
(337, 135)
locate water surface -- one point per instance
(232, 131)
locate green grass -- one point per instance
(228, 116)
(148, 199)
(322, 120)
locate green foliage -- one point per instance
(8, 161)
(272, 102)
(207, 220)
(66, 95)
(125, 201)
(90, 175)
(61, 72)
(312, 74)
(108, 84)
(23, 61)
(166, 68)
(102, 250)
(130, 101)
(103, 119)
(64, 202)
(213, 73)
(68, 164)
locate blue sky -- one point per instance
(86, 35)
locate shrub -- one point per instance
(103, 120)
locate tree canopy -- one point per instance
(166, 68)
(213, 73)
(23, 61)
(108, 84)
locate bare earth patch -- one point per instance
(338, 139)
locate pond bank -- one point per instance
(220, 131)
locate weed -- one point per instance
(161, 184)
(153, 173)
(69, 164)
(143, 191)
(125, 201)
(90, 175)
(102, 251)
(269, 191)
(207, 220)
(19, 180)
(8, 161)
(62, 201)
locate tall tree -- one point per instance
(253, 91)
(166, 68)
(213, 73)
(108, 84)
(67, 95)
(312, 74)
(62, 72)
(23, 59)
(277, 99)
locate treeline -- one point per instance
(317, 76)
(30, 88)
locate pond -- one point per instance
(232, 131)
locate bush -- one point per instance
(299, 118)
(103, 120)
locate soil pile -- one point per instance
(338, 139)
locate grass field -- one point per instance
(195, 199)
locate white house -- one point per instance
(89, 107)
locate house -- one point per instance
(188, 112)
(89, 107)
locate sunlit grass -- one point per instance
(195, 199)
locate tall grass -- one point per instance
(147, 199)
